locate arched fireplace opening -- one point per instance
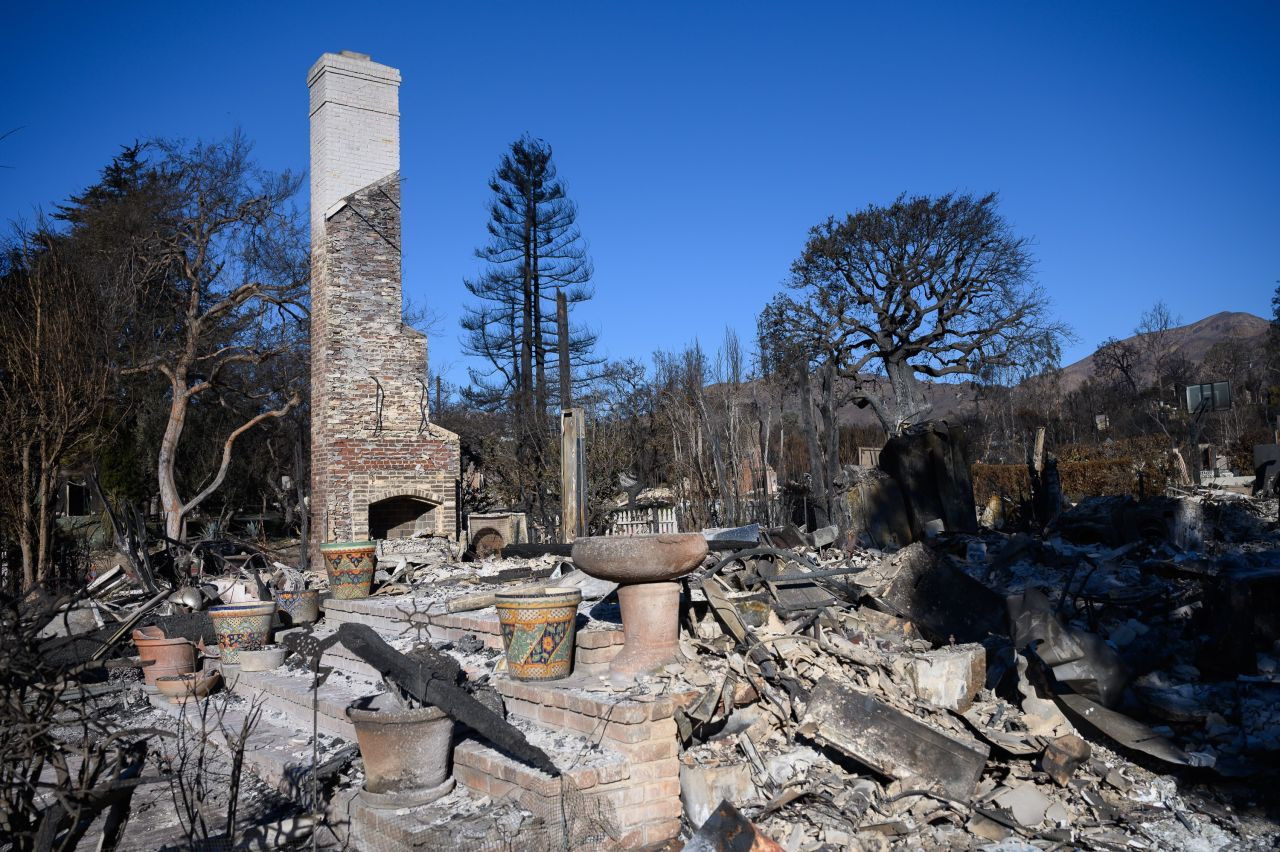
(401, 517)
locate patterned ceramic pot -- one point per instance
(350, 566)
(298, 607)
(538, 629)
(241, 627)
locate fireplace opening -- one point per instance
(401, 517)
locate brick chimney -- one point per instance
(379, 467)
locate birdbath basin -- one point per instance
(645, 567)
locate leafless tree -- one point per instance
(237, 262)
(55, 381)
(926, 287)
(1118, 361)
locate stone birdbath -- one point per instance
(645, 567)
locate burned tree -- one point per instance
(535, 256)
(1116, 361)
(55, 383)
(926, 287)
(235, 258)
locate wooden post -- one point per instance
(573, 474)
(562, 345)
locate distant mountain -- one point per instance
(1193, 341)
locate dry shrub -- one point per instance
(1009, 481)
(1079, 479)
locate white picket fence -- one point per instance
(643, 521)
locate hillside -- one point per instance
(1192, 341)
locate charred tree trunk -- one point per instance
(831, 433)
(717, 458)
(908, 405)
(817, 486)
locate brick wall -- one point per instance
(371, 436)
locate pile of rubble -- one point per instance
(1111, 684)
(989, 688)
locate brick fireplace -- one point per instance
(379, 467)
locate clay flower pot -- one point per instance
(538, 629)
(406, 752)
(263, 660)
(298, 607)
(350, 567)
(241, 627)
(170, 656)
(179, 688)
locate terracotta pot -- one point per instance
(179, 688)
(241, 627)
(263, 660)
(406, 752)
(170, 656)
(538, 629)
(298, 607)
(350, 567)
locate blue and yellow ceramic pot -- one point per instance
(301, 606)
(241, 627)
(350, 566)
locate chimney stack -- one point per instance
(355, 128)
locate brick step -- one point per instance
(631, 784)
(421, 619)
(461, 820)
(280, 756)
(288, 692)
(588, 804)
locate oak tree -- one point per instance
(930, 288)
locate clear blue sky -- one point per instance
(1137, 144)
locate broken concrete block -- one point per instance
(702, 788)
(892, 742)
(1063, 756)
(949, 677)
(1026, 804)
(942, 601)
(824, 536)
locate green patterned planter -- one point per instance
(241, 627)
(350, 566)
(538, 629)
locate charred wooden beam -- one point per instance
(433, 681)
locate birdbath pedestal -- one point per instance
(645, 567)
